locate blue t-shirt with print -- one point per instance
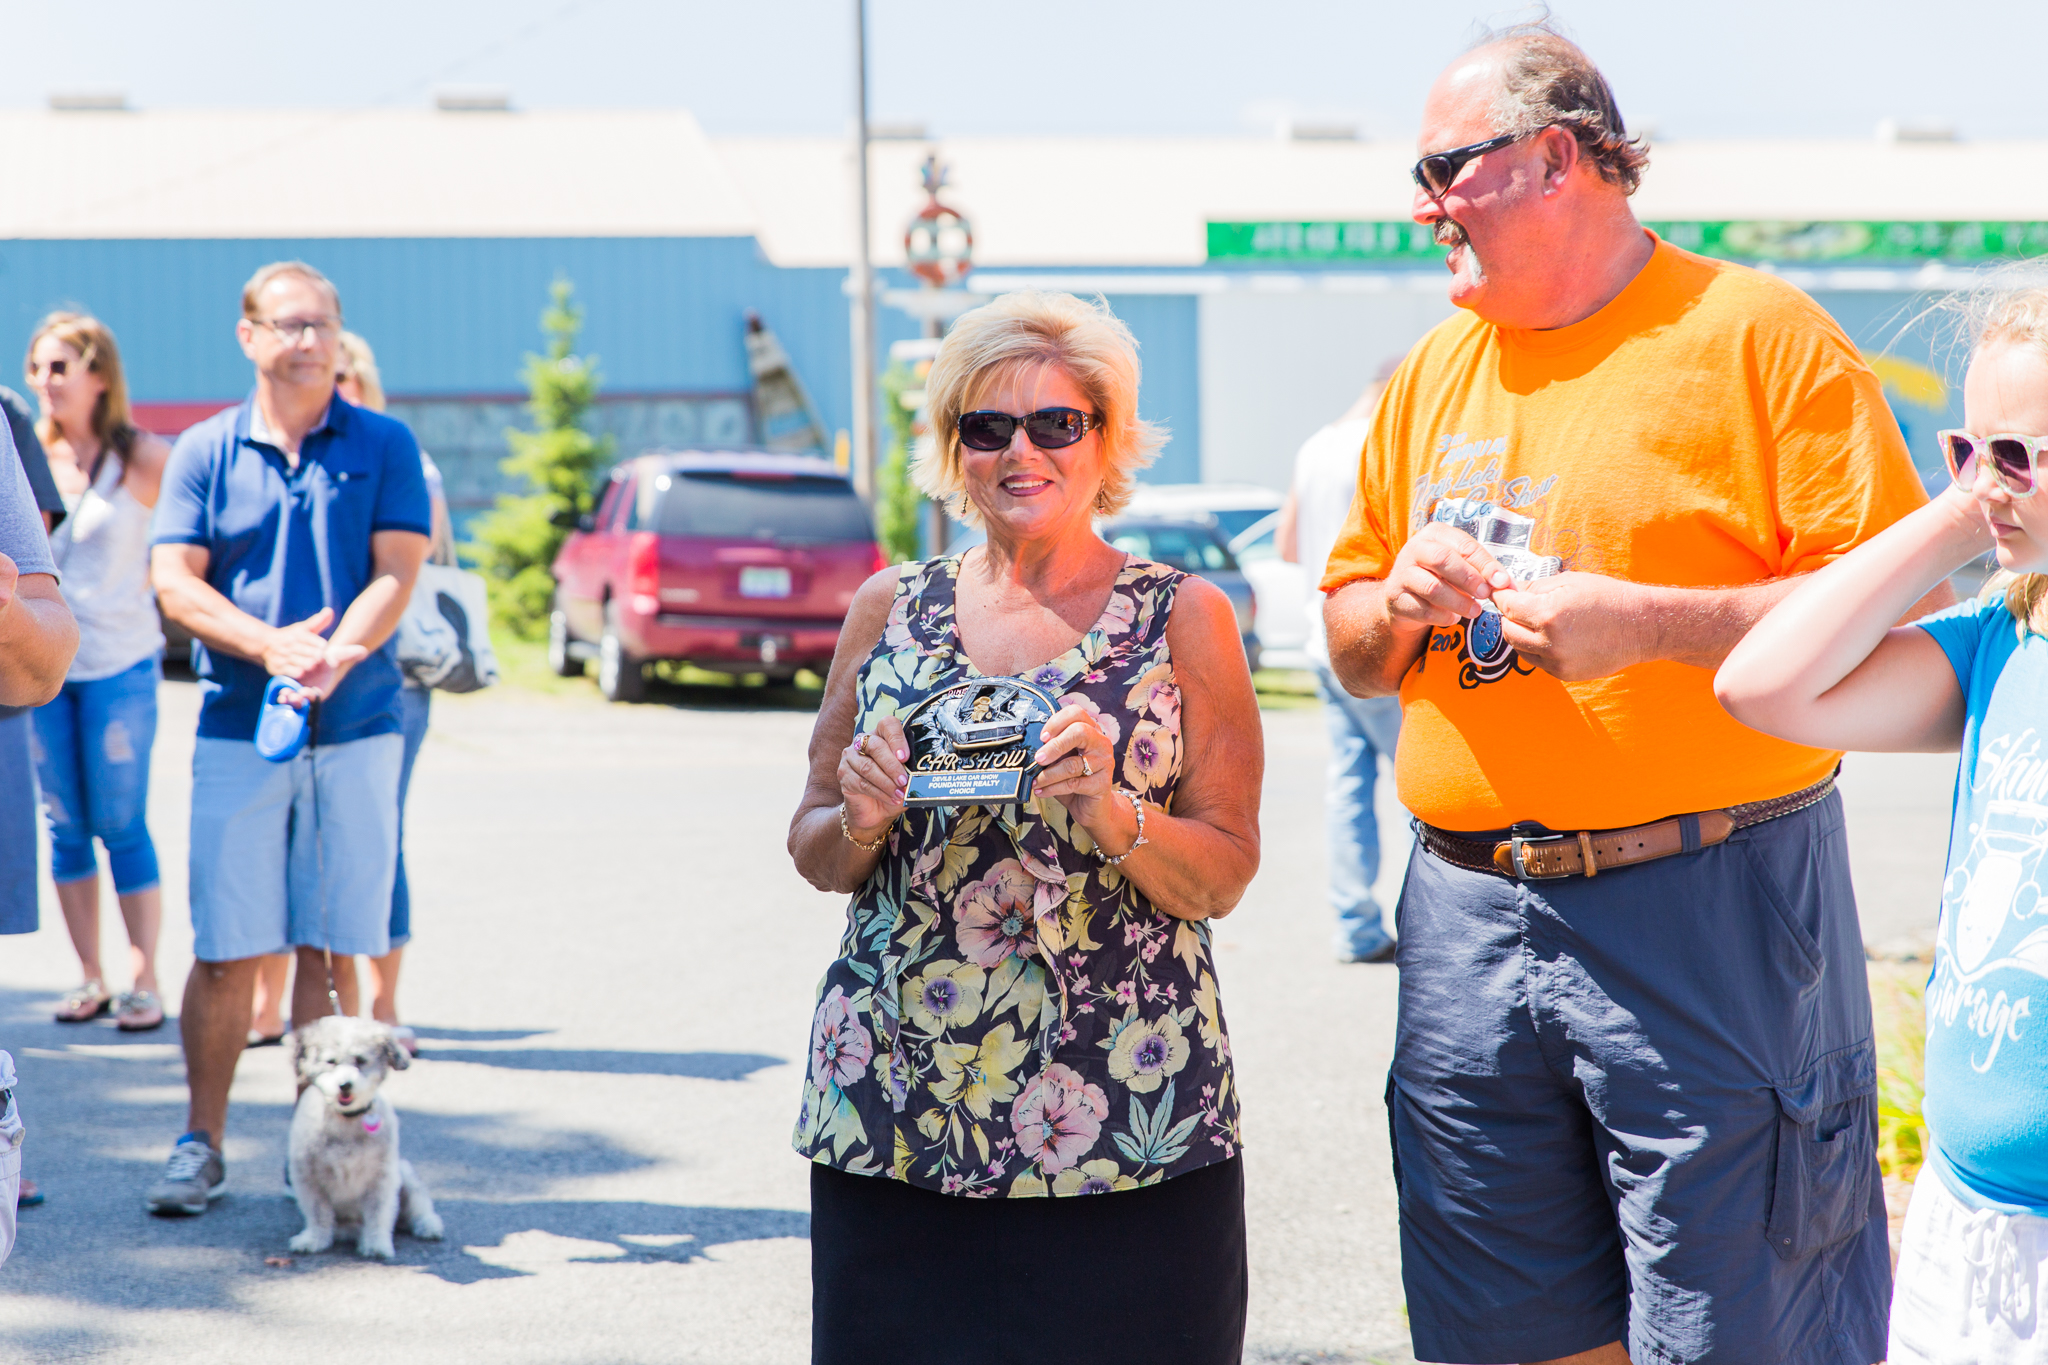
(1987, 1003)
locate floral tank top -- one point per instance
(1009, 1016)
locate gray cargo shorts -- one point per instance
(1642, 1107)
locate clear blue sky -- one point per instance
(1739, 68)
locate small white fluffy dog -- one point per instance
(343, 1150)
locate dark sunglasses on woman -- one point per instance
(1436, 172)
(2015, 460)
(1048, 428)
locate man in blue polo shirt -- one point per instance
(287, 537)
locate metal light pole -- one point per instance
(863, 273)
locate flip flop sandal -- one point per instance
(30, 1196)
(138, 1012)
(264, 1039)
(85, 1004)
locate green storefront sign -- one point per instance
(1855, 243)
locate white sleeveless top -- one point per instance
(102, 554)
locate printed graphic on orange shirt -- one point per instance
(1468, 469)
(1506, 535)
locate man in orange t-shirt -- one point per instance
(1633, 1094)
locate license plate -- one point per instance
(758, 582)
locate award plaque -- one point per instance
(972, 743)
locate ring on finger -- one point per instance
(1086, 769)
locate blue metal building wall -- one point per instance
(455, 316)
(448, 316)
(1169, 349)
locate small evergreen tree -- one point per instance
(515, 543)
(898, 504)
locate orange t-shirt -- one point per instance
(1710, 427)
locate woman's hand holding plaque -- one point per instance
(872, 778)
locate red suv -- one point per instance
(735, 561)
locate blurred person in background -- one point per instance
(1361, 728)
(358, 381)
(300, 851)
(94, 739)
(977, 1056)
(37, 640)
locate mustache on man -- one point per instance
(1449, 234)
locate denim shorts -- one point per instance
(295, 853)
(1641, 1107)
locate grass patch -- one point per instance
(1898, 999)
(1285, 689)
(523, 665)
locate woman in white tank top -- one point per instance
(94, 738)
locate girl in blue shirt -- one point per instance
(1828, 667)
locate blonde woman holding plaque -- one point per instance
(1024, 1006)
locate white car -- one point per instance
(1233, 506)
(1281, 589)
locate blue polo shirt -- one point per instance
(286, 542)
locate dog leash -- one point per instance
(320, 857)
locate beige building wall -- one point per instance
(1277, 365)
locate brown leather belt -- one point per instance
(1588, 853)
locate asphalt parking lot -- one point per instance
(612, 979)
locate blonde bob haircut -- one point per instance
(112, 424)
(359, 363)
(1020, 332)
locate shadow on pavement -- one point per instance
(103, 1108)
(428, 1033)
(710, 1066)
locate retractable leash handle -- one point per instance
(281, 728)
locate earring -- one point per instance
(1102, 499)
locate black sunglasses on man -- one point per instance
(1436, 171)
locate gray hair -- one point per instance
(1547, 79)
(276, 269)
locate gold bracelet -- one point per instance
(880, 839)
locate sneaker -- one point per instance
(1383, 953)
(194, 1174)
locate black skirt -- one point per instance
(905, 1276)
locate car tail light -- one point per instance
(876, 560)
(643, 565)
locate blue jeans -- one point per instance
(17, 827)
(1361, 729)
(414, 706)
(92, 754)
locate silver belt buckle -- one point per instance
(1518, 842)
